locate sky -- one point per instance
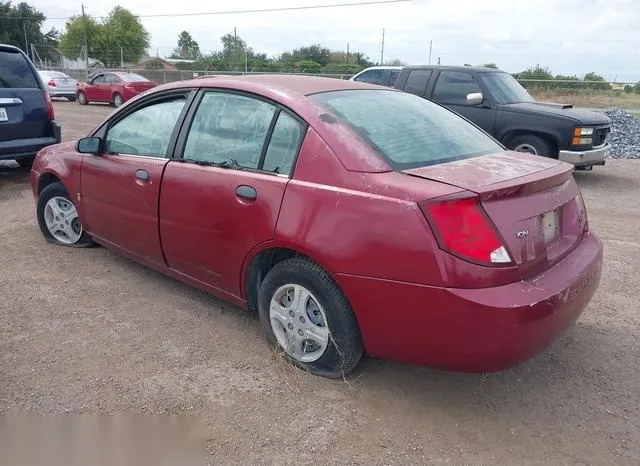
(568, 36)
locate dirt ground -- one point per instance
(87, 331)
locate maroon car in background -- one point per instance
(112, 87)
(350, 216)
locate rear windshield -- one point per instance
(15, 72)
(407, 130)
(132, 77)
(54, 74)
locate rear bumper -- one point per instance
(474, 330)
(587, 157)
(65, 93)
(25, 148)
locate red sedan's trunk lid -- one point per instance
(533, 201)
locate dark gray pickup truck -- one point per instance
(497, 103)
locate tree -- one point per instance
(22, 20)
(120, 35)
(187, 47)
(395, 62)
(491, 65)
(595, 81)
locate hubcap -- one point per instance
(81, 97)
(299, 323)
(117, 100)
(62, 220)
(526, 148)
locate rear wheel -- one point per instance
(82, 98)
(533, 144)
(58, 218)
(117, 100)
(71, 98)
(304, 312)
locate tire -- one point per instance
(82, 98)
(26, 162)
(71, 99)
(117, 100)
(326, 312)
(533, 144)
(64, 231)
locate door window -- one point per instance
(283, 145)
(229, 128)
(98, 79)
(146, 131)
(111, 79)
(372, 76)
(453, 86)
(417, 81)
(393, 77)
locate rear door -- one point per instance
(120, 187)
(451, 89)
(222, 198)
(23, 109)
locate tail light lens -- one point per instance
(50, 111)
(463, 229)
(51, 83)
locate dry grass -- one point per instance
(590, 100)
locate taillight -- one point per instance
(51, 83)
(463, 229)
(50, 111)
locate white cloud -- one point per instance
(569, 36)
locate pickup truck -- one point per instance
(497, 103)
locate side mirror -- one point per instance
(90, 145)
(475, 98)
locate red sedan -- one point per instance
(112, 87)
(350, 216)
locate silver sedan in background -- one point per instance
(59, 84)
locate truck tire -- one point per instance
(533, 144)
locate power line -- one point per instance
(237, 12)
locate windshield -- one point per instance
(505, 89)
(406, 130)
(132, 77)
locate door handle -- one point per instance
(142, 175)
(247, 192)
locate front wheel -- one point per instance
(306, 315)
(532, 144)
(82, 98)
(58, 218)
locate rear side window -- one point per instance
(15, 72)
(393, 77)
(133, 77)
(111, 79)
(372, 76)
(417, 81)
(452, 87)
(283, 145)
(406, 130)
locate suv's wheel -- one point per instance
(117, 100)
(26, 162)
(71, 98)
(58, 218)
(82, 98)
(532, 144)
(305, 313)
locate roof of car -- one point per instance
(480, 69)
(300, 84)
(9, 48)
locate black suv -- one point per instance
(27, 122)
(497, 103)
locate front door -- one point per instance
(120, 187)
(451, 90)
(95, 88)
(222, 198)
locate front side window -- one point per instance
(452, 87)
(98, 79)
(406, 130)
(229, 129)
(372, 76)
(146, 131)
(505, 89)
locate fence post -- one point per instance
(164, 76)
(612, 91)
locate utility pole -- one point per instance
(382, 49)
(122, 58)
(347, 53)
(86, 47)
(26, 42)
(430, 45)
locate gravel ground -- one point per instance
(87, 331)
(625, 133)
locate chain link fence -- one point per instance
(583, 94)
